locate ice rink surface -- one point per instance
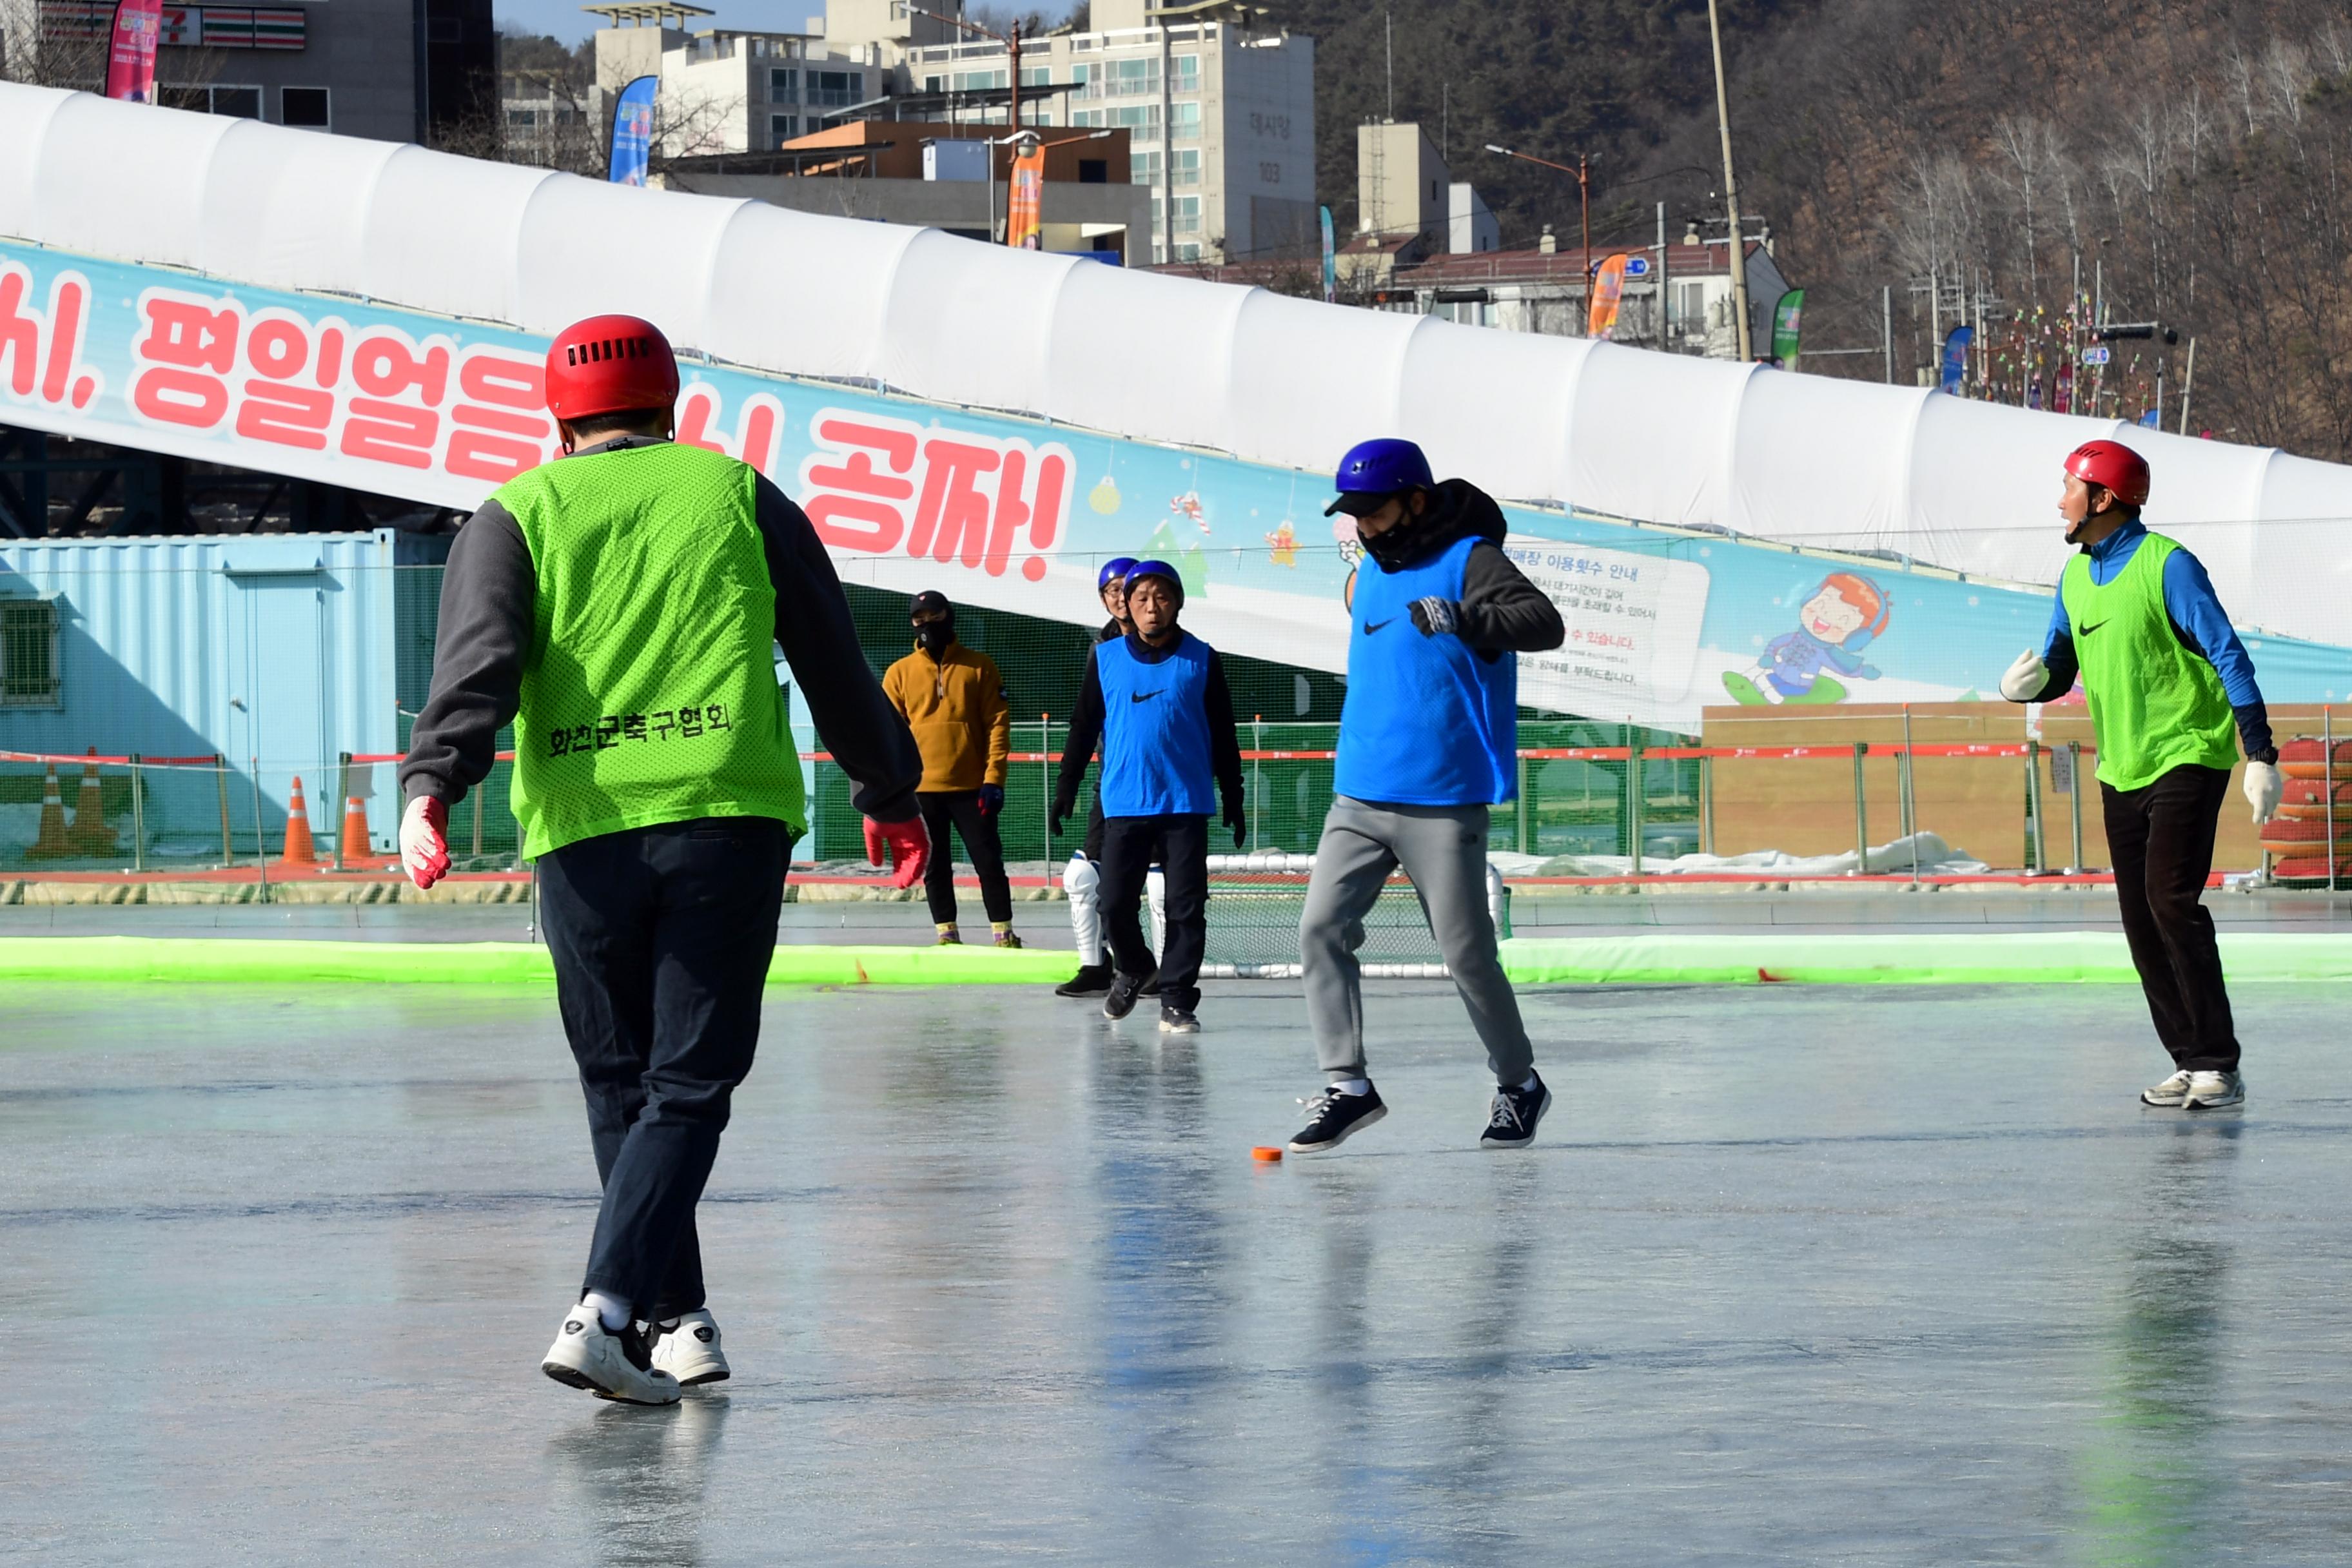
(1795, 1275)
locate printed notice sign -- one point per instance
(1632, 628)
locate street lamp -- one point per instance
(1583, 174)
(989, 144)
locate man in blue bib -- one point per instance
(1428, 741)
(1156, 700)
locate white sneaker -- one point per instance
(689, 1350)
(608, 1365)
(2214, 1092)
(2171, 1091)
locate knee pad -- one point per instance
(1081, 877)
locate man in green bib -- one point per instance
(2172, 697)
(621, 605)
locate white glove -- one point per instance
(2263, 788)
(2025, 679)
(423, 841)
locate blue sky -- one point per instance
(564, 18)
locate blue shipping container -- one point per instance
(278, 652)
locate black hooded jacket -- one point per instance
(1500, 610)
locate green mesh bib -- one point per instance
(2155, 706)
(649, 694)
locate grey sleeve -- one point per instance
(479, 653)
(1502, 610)
(866, 733)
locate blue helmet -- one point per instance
(1375, 470)
(1158, 569)
(1115, 568)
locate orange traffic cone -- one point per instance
(355, 846)
(92, 836)
(52, 843)
(299, 850)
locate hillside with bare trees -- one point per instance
(2192, 158)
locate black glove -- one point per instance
(992, 799)
(1237, 821)
(1434, 615)
(1064, 804)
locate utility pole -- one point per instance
(1887, 327)
(1167, 140)
(1388, 34)
(1664, 278)
(2188, 386)
(1731, 192)
(1012, 42)
(1585, 200)
(1583, 173)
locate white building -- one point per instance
(730, 92)
(1219, 110)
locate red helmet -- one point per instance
(2112, 465)
(610, 364)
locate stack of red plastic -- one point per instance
(2317, 805)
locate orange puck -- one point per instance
(1267, 1153)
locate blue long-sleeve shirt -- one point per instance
(2195, 611)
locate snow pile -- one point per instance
(1926, 851)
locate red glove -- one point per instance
(424, 841)
(908, 844)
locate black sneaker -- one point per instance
(1332, 1116)
(1124, 989)
(1091, 980)
(1511, 1123)
(1175, 1020)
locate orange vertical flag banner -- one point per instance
(1024, 221)
(1607, 287)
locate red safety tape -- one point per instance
(84, 758)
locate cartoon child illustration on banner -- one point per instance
(1845, 616)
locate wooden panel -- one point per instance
(1806, 807)
(1977, 805)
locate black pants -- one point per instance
(960, 809)
(2161, 839)
(1092, 848)
(1181, 847)
(661, 938)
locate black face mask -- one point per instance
(1391, 549)
(935, 636)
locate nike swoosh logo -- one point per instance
(1143, 696)
(2094, 625)
(1371, 626)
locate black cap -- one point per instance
(1360, 503)
(930, 602)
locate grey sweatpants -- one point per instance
(1444, 849)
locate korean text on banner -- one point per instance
(1633, 627)
(1788, 320)
(1607, 287)
(1025, 220)
(131, 50)
(633, 131)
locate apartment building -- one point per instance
(1219, 109)
(725, 90)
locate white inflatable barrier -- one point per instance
(1609, 430)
